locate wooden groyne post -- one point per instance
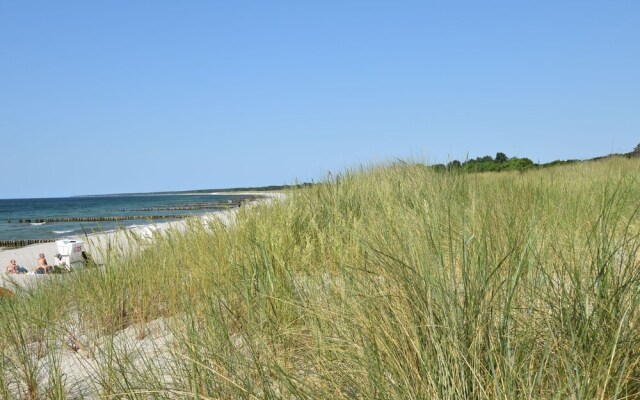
(23, 242)
(100, 219)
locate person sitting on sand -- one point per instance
(43, 267)
(12, 267)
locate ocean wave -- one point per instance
(38, 223)
(61, 232)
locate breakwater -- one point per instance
(24, 242)
(230, 202)
(186, 208)
(98, 219)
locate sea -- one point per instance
(106, 206)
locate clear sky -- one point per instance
(136, 96)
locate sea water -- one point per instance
(12, 210)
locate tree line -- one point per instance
(503, 163)
(487, 163)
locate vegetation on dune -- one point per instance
(485, 164)
(503, 163)
(395, 281)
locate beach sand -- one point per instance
(96, 244)
(79, 355)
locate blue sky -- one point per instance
(135, 96)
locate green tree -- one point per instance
(501, 157)
(519, 164)
(455, 164)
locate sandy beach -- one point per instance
(96, 244)
(79, 364)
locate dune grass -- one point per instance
(390, 282)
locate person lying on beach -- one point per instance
(13, 268)
(43, 267)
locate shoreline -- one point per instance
(27, 222)
(97, 243)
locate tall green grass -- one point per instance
(387, 282)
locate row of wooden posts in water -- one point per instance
(176, 208)
(129, 217)
(213, 203)
(24, 242)
(190, 206)
(99, 219)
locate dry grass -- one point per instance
(389, 282)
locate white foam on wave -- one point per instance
(38, 223)
(61, 232)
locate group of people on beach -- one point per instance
(42, 267)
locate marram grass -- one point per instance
(390, 282)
